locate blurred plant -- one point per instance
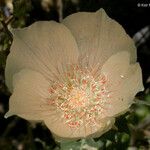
(46, 4)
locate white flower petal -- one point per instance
(98, 36)
(44, 46)
(116, 66)
(125, 81)
(62, 131)
(29, 95)
(124, 95)
(105, 125)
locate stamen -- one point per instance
(82, 97)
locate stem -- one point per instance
(141, 102)
(60, 10)
(5, 24)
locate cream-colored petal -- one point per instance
(105, 125)
(124, 82)
(44, 46)
(123, 96)
(29, 95)
(98, 36)
(62, 131)
(116, 66)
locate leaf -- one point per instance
(84, 144)
(71, 145)
(91, 142)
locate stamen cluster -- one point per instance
(81, 98)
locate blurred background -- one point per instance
(132, 130)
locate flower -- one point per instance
(76, 76)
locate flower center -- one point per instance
(81, 97)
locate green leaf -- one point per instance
(71, 145)
(92, 143)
